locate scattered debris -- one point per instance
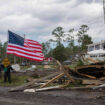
(33, 67)
(30, 84)
(16, 67)
(47, 67)
(47, 88)
(90, 75)
(29, 90)
(100, 86)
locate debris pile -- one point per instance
(90, 75)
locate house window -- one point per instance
(97, 47)
(104, 46)
(91, 48)
(103, 55)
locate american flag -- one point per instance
(26, 48)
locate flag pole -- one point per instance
(6, 45)
(24, 36)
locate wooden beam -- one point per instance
(92, 60)
(48, 88)
(85, 75)
(87, 66)
(52, 80)
(92, 82)
(65, 71)
(102, 78)
(89, 76)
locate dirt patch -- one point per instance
(56, 97)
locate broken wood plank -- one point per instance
(89, 76)
(92, 82)
(92, 60)
(30, 90)
(52, 80)
(102, 78)
(42, 89)
(65, 71)
(80, 74)
(20, 88)
(100, 86)
(87, 66)
(48, 88)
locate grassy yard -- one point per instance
(24, 67)
(16, 80)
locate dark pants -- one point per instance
(7, 76)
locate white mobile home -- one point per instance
(96, 51)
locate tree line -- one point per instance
(66, 45)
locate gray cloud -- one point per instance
(37, 18)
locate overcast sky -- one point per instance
(37, 18)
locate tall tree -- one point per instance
(58, 33)
(70, 38)
(59, 53)
(83, 38)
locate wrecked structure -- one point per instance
(96, 51)
(93, 74)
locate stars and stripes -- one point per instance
(26, 48)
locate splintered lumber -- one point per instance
(88, 66)
(92, 82)
(102, 78)
(47, 88)
(80, 88)
(100, 86)
(30, 90)
(65, 71)
(96, 70)
(77, 75)
(89, 76)
(27, 85)
(92, 60)
(42, 89)
(52, 80)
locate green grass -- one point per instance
(16, 80)
(24, 67)
(42, 67)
